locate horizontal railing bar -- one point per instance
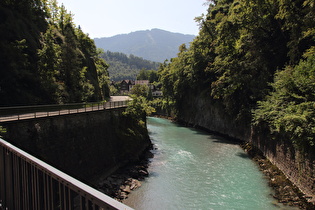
(39, 106)
(57, 105)
(72, 183)
(37, 113)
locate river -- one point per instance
(192, 169)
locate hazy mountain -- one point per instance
(155, 45)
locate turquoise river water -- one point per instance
(192, 169)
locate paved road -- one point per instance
(119, 98)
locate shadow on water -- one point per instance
(223, 140)
(151, 133)
(154, 174)
(242, 155)
(214, 136)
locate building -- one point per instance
(126, 86)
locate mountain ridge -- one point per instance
(155, 44)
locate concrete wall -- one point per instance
(83, 145)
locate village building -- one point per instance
(125, 86)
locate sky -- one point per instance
(106, 18)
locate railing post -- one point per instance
(29, 183)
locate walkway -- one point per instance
(29, 112)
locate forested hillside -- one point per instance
(45, 58)
(122, 66)
(255, 60)
(154, 45)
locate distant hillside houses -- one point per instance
(125, 86)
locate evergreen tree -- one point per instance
(45, 58)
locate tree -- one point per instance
(241, 45)
(45, 58)
(49, 64)
(142, 75)
(290, 109)
(140, 90)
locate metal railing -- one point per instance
(31, 184)
(28, 112)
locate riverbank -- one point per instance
(284, 191)
(128, 178)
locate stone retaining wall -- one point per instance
(83, 145)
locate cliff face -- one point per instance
(201, 111)
(82, 145)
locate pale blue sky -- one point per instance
(105, 18)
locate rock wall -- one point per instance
(299, 168)
(201, 111)
(83, 145)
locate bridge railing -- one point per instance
(31, 184)
(27, 112)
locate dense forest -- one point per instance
(122, 66)
(45, 58)
(257, 60)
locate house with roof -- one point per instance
(126, 86)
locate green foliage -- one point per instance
(140, 90)
(240, 48)
(20, 23)
(290, 109)
(163, 105)
(45, 58)
(2, 131)
(151, 75)
(123, 67)
(138, 107)
(113, 90)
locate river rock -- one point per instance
(143, 172)
(127, 189)
(135, 184)
(122, 195)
